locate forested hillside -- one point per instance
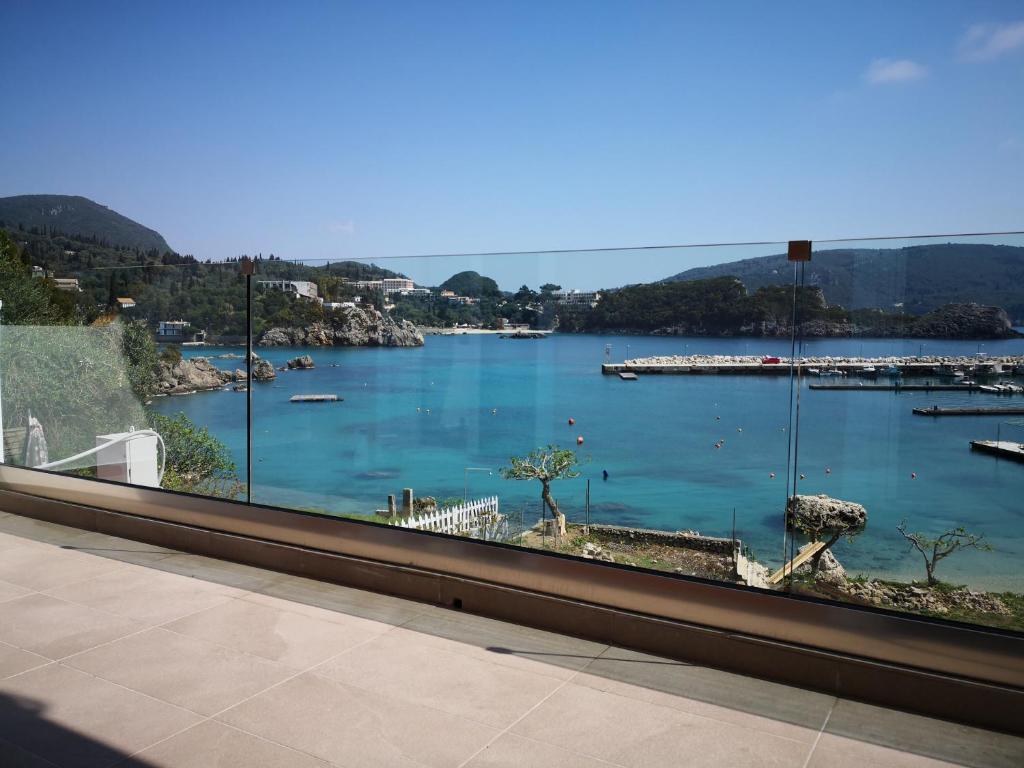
(80, 217)
(920, 278)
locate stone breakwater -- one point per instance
(823, 361)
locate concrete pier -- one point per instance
(1003, 448)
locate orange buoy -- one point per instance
(579, 440)
(571, 421)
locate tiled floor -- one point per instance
(118, 653)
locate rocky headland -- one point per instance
(353, 327)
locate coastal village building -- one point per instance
(38, 272)
(69, 284)
(577, 299)
(178, 332)
(125, 302)
(453, 299)
(388, 285)
(303, 288)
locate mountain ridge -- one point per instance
(78, 216)
(916, 279)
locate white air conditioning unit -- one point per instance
(129, 460)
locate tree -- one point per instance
(944, 545)
(546, 465)
(197, 462)
(825, 519)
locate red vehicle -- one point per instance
(768, 360)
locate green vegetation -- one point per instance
(470, 283)
(916, 279)
(79, 217)
(942, 546)
(545, 465)
(197, 462)
(27, 301)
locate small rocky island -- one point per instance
(351, 327)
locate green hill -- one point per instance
(78, 217)
(470, 283)
(920, 278)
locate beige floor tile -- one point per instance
(190, 673)
(212, 744)
(222, 572)
(74, 719)
(55, 628)
(861, 729)
(839, 752)
(511, 751)
(289, 638)
(145, 595)
(13, 756)
(356, 728)
(512, 645)
(14, 661)
(352, 602)
(402, 665)
(769, 707)
(10, 591)
(46, 567)
(316, 612)
(641, 735)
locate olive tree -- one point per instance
(942, 546)
(545, 465)
(823, 518)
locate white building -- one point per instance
(397, 285)
(388, 285)
(577, 298)
(303, 288)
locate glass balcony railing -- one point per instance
(847, 428)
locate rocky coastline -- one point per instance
(352, 327)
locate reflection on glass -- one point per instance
(800, 427)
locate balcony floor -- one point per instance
(119, 653)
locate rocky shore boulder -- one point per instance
(262, 370)
(190, 375)
(964, 321)
(350, 327)
(300, 363)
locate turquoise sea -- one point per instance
(420, 417)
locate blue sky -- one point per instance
(337, 130)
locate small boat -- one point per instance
(832, 372)
(989, 388)
(814, 372)
(892, 370)
(869, 370)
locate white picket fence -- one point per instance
(477, 519)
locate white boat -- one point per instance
(989, 388)
(869, 370)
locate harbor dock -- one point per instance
(314, 399)
(997, 410)
(897, 387)
(811, 367)
(1002, 448)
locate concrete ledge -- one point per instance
(938, 695)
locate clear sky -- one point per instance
(334, 130)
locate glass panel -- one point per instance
(890, 420)
(448, 381)
(94, 350)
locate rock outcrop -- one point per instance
(190, 375)
(964, 321)
(300, 363)
(262, 370)
(351, 327)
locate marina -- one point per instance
(1002, 448)
(955, 369)
(968, 411)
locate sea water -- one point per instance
(444, 418)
